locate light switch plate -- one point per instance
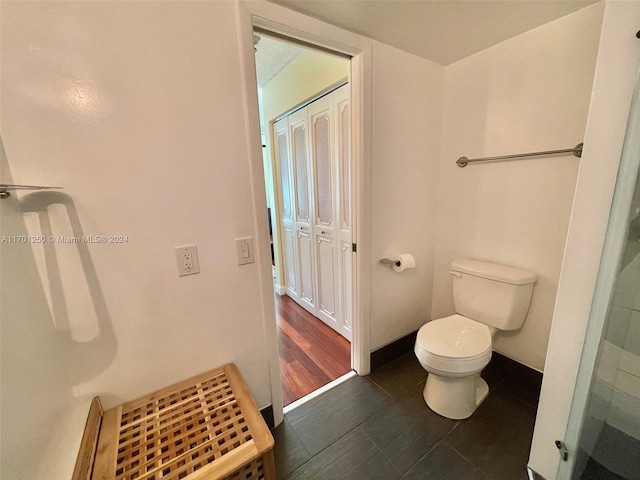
(245, 253)
(187, 260)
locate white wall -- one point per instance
(406, 122)
(303, 78)
(36, 398)
(124, 105)
(128, 107)
(526, 94)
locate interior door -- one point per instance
(286, 214)
(321, 123)
(303, 207)
(345, 239)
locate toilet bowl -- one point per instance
(454, 349)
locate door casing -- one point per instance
(281, 21)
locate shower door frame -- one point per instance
(615, 78)
(616, 239)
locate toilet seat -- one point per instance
(453, 346)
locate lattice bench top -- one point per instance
(206, 427)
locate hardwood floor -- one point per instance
(311, 353)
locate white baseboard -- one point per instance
(280, 290)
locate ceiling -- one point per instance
(443, 31)
(272, 56)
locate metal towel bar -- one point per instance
(576, 151)
(5, 188)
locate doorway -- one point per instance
(306, 137)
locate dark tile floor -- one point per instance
(378, 427)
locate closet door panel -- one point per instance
(303, 206)
(323, 159)
(321, 124)
(316, 208)
(343, 199)
(286, 206)
(307, 277)
(289, 247)
(346, 286)
(301, 163)
(327, 280)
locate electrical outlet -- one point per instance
(187, 260)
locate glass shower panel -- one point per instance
(609, 439)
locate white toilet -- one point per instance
(455, 349)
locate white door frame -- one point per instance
(280, 20)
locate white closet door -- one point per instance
(312, 149)
(287, 219)
(324, 220)
(343, 195)
(298, 133)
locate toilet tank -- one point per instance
(496, 295)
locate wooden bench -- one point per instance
(205, 428)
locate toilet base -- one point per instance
(455, 398)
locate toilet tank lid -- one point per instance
(493, 271)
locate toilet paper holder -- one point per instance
(388, 261)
